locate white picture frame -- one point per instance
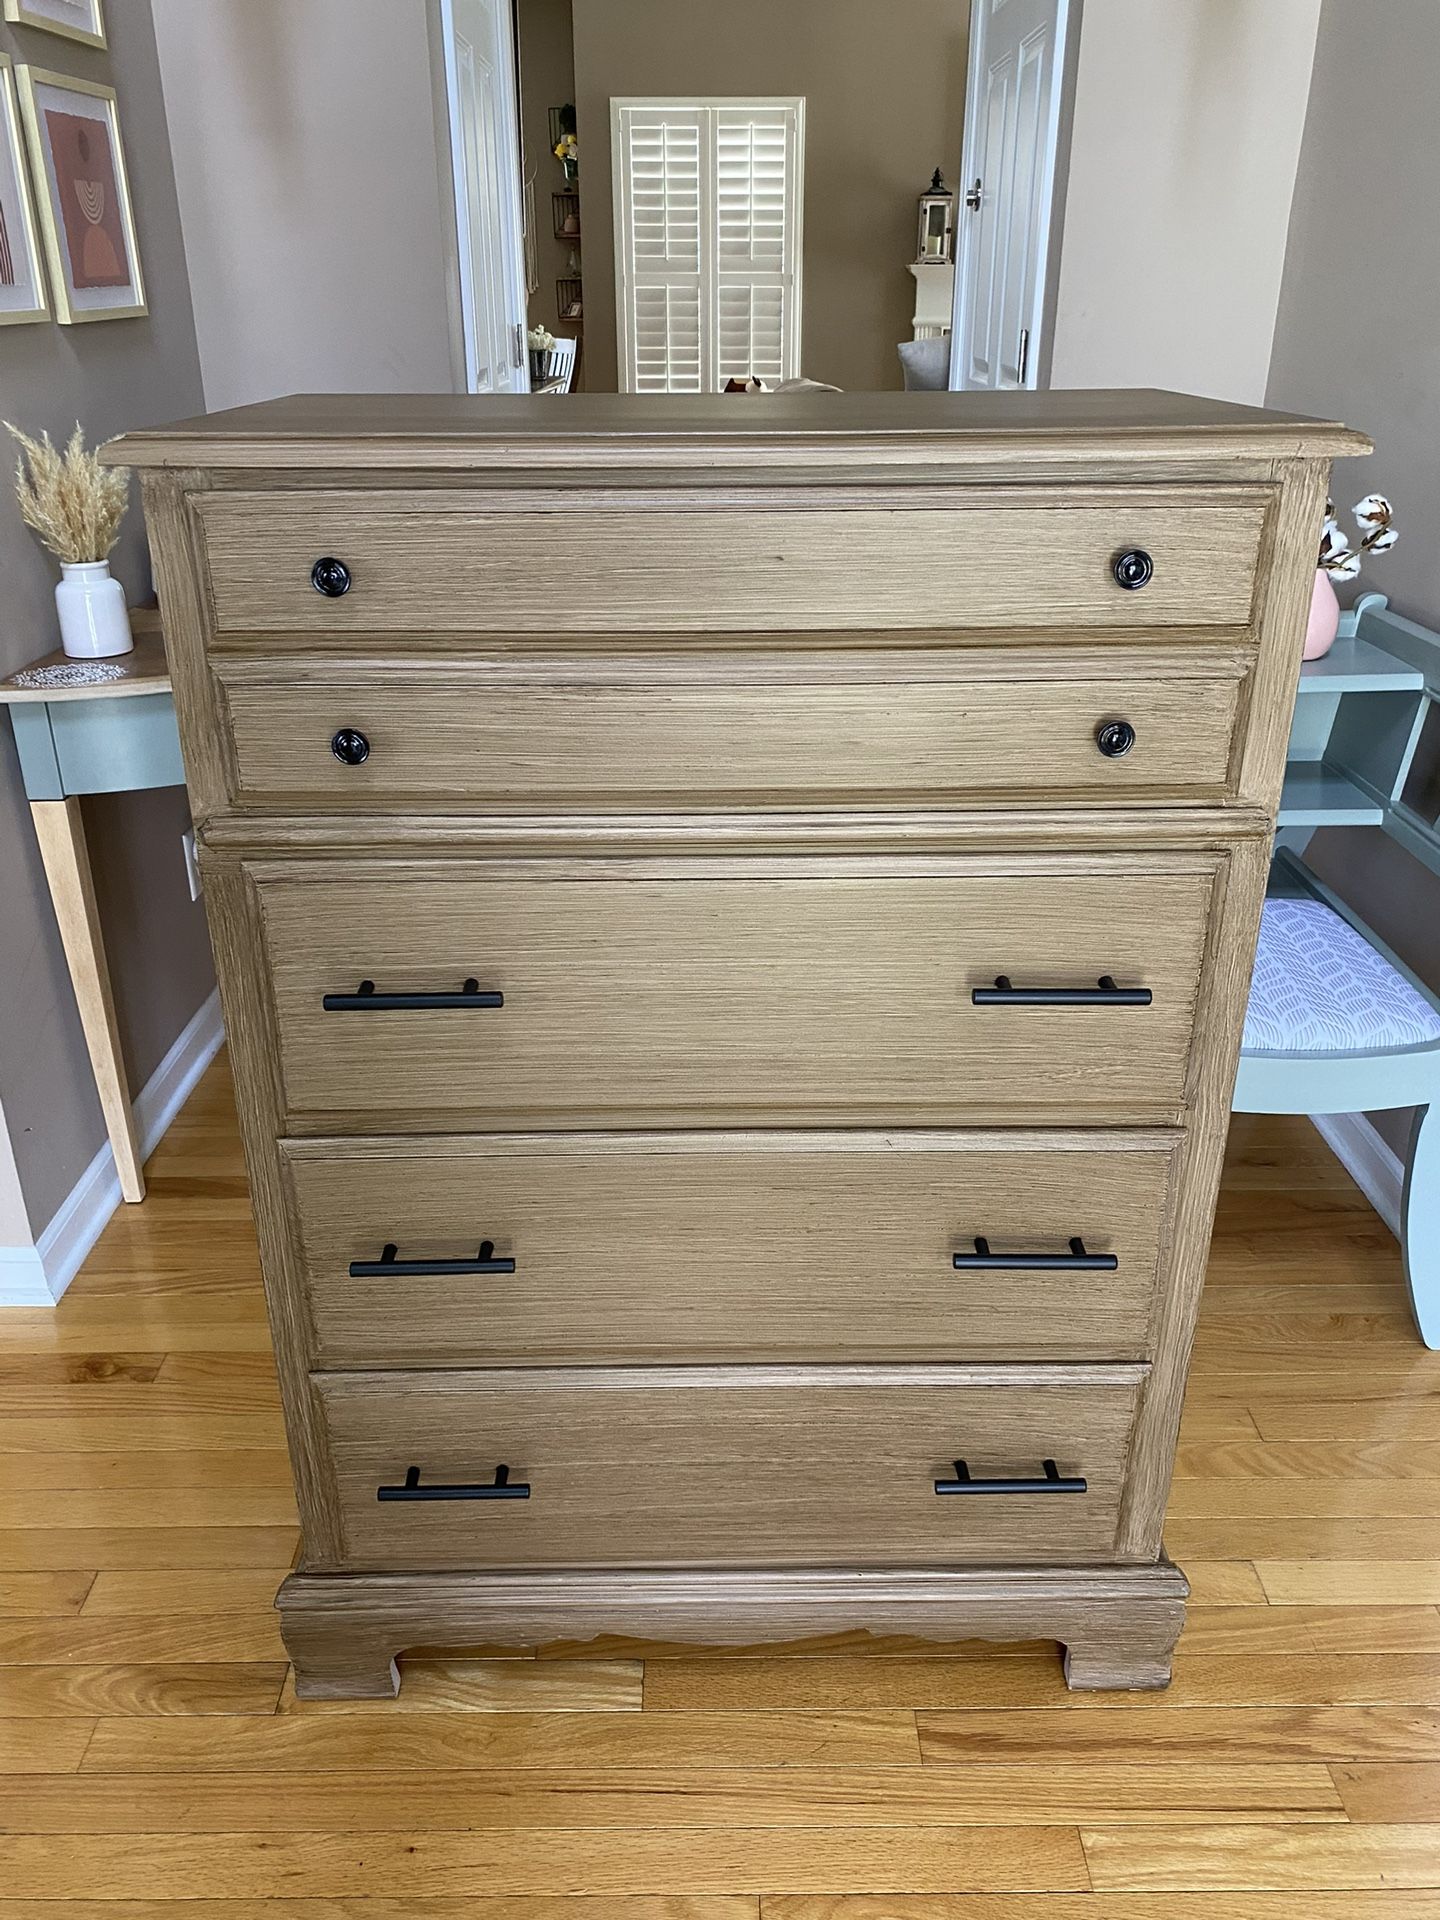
(81, 20)
(23, 295)
(87, 222)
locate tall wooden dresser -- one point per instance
(733, 918)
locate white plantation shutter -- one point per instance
(707, 241)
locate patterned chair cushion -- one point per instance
(1320, 988)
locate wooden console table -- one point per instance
(113, 734)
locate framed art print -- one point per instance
(75, 19)
(73, 130)
(22, 278)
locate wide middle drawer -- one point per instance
(1114, 725)
(568, 1249)
(779, 1466)
(527, 995)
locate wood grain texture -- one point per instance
(1208, 1735)
(442, 1760)
(643, 1798)
(736, 846)
(372, 1740)
(779, 1247)
(488, 561)
(644, 1468)
(661, 1906)
(1398, 1904)
(129, 1687)
(1254, 1856)
(60, 832)
(549, 1860)
(802, 435)
(786, 989)
(826, 729)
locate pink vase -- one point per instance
(1324, 620)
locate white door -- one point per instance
(485, 154)
(1007, 186)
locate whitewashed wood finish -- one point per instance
(831, 728)
(807, 991)
(789, 952)
(730, 1246)
(775, 1467)
(490, 562)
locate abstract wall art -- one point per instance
(22, 278)
(86, 217)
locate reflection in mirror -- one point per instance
(723, 196)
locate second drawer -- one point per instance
(702, 1247)
(1116, 724)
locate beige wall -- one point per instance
(547, 79)
(112, 375)
(884, 88)
(304, 134)
(1357, 337)
(1187, 124)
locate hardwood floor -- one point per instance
(152, 1750)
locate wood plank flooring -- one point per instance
(154, 1760)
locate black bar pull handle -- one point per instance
(365, 999)
(1104, 993)
(1076, 1261)
(502, 1487)
(390, 1267)
(1054, 1482)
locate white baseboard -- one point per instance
(1371, 1162)
(37, 1276)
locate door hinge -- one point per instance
(1022, 357)
(517, 344)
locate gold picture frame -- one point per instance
(27, 13)
(20, 263)
(83, 193)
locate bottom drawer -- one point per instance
(727, 1467)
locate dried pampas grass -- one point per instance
(69, 499)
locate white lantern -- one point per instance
(936, 247)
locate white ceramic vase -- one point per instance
(94, 622)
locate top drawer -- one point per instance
(546, 562)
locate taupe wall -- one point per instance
(884, 88)
(304, 134)
(1357, 336)
(112, 375)
(1187, 124)
(547, 79)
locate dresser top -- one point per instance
(590, 429)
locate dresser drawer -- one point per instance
(531, 562)
(711, 1247)
(793, 988)
(1122, 724)
(722, 1467)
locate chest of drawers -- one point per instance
(733, 918)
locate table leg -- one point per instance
(61, 833)
(1420, 1221)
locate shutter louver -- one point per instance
(707, 242)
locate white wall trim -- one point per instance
(1371, 1162)
(37, 1276)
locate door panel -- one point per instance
(480, 74)
(1010, 154)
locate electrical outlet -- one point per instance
(192, 870)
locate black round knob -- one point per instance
(1133, 569)
(351, 746)
(330, 577)
(1114, 738)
